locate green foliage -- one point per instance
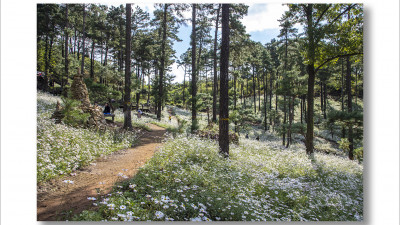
(100, 93)
(359, 153)
(344, 144)
(72, 114)
(188, 180)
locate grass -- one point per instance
(62, 149)
(189, 181)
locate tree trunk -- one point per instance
(49, 59)
(349, 106)
(284, 120)
(270, 91)
(83, 41)
(325, 99)
(184, 88)
(46, 63)
(276, 93)
(224, 98)
(265, 81)
(162, 67)
(259, 92)
(311, 82)
(66, 48)
(301, 110)
(75, 41)
(254, 91)
(127, 100)
(194, 78)
(342, 96)
(92, 61)
(214, 106)
(105, 54)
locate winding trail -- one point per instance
(56, 197)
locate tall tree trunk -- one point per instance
(194, 78)
(162, 67)
(276, 92)
(83, 40)
(234, 97)
(92, 61)
(356, 94)
(75, 37)
(270, 91)
(301, 110)
(214, 105)
(49, 59)
(62, 45)
(66, 48)
(184, 88)
(325, 99)
(311, 81)
(224, 98)
(254, 91)
(342, 96)
(127, 100)
(105, 54)
(259, 92)
(322, 96)
(349, 106)
(78, 51)
(46, 63)
(265, 101)
(148, 93)
(241, 93)
(234, 91)
(284, 120)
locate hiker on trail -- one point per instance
(139, 114)
(107, 109)
(170, 118)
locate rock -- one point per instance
(79, 90)
(57, 115)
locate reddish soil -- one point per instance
(55, 198)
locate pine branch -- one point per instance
(335, 57)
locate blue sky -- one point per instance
(261, 23)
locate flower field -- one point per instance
(189, 181)
(62, 149)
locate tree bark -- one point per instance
(194, 78)
(83, 40)
(349, 106)
(184, 88)
(66, 48)
(224, 98)
(214, 106)
(254, 91)
(311, 81)
(127, 100)
(162, 67)
(92, 61)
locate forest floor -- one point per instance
(60, 197)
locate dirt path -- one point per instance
(56, 197)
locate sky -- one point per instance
(261, 23)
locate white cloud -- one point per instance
(148, 7)
(263, 16)
(178, 72)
